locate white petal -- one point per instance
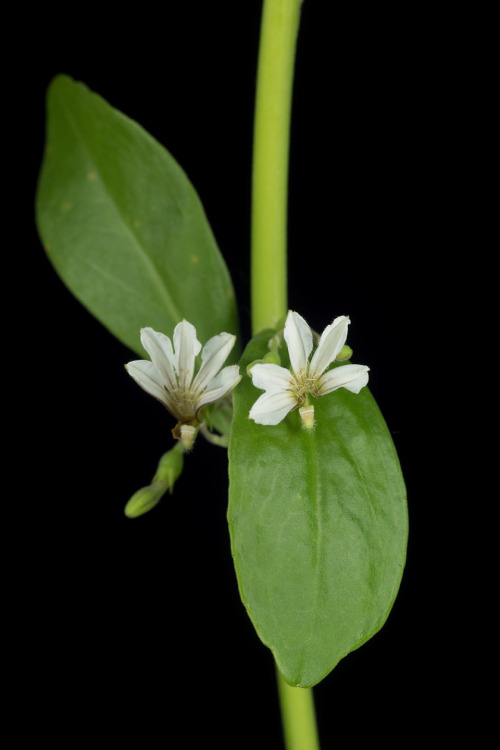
(214, 354)
(219, 386)
(352, 377)
(271, 408)
(148, 377)
(299, 339)
(271, 378)
(187, 347)
(159, 348)
(331, 342)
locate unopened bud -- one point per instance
(275, 341)
(344, 353)
(188, 434)
(272, 358)
(144, 500)
(170, 467)
(168, 471)
(307, 416)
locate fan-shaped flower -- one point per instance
(169, 376)
(287, 389)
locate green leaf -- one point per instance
(318, 525)
(123, 226)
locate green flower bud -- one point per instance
(344, 353)
(275, 341)
(170, 467)
(272, 358)
(168, 471)
(144, 500)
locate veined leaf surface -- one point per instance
(318, 525)
(122, 224)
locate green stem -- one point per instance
(280, 23)
(299, 720)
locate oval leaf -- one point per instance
(318, 526)
(123, 226)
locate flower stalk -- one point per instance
(279, 28)
(298, 716)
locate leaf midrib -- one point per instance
(143, 254)
(315, 495)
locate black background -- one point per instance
(134, 629)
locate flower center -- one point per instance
(183, 403)
(303, 385)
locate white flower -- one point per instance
(285, 390)
(169, 375)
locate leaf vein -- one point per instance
(143, 252)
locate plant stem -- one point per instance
(299, 720)
(280, 23)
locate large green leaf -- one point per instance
(318, 526)
(122, 224)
